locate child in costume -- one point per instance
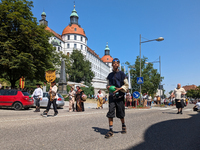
(116, 99)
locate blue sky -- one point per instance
(120, 22)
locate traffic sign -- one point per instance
(136, 94)
(140, 80)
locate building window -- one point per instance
(81, 46)
(74, 45)
(74, 29)
(68, 37)
(81, 38)
(74, 37)
(58, 48)
(67, 45)
(85, 48)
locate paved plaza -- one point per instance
(147, 129)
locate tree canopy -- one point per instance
(150, 75)
(24, 47)
(194, 93)
(80, 69)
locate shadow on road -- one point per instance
(102, 131)
(10, 108)
(178, 134)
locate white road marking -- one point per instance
(164, 108)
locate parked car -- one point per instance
(16, 99)
(43, 103)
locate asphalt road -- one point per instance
(147, 129)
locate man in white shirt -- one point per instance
(53, 92)
(37, 95)
(179, 93)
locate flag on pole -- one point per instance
(129, 79)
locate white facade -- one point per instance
(70, 41)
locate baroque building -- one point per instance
(74, 37)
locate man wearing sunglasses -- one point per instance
(116, 99)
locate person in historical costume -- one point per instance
(37, 95)
(71, 96)
(128, 99)
(179, 92)
(116, 99)
(79, 101)
(100, 100)
(52, 99)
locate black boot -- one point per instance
(37, 109)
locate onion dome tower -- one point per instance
(74, 36)
(43, 20)
(107, 58)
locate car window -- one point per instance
(45, 94)
(25, 93)
(60, 95)
(2, 92)
(11, 92)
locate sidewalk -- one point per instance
(88, 105)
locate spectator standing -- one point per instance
(149, 100)
(128, 99)
(158, 100)
(155, 99)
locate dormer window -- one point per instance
(74, 29)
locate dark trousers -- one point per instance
(54, 105)
(37, 101)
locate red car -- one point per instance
(16, 99)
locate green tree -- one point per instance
(150, 75)
(24, 47)
(80, 68)
(170, 92)
(194, 93)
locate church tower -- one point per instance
(74, 36)
(74, 17)
(107, 59)
(43, 20)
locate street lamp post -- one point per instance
(159, 70)
(158, 39)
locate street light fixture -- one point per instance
(158, 39)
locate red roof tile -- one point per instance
(93, 52)
(189, 87)
(56, 34)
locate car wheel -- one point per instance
(17, 106)
(26, 108)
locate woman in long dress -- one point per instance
(79, 102)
